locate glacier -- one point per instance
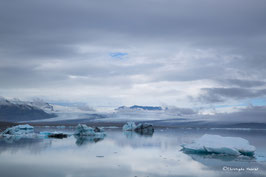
(220, 145)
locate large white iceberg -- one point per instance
(18, 130)
(220, 145)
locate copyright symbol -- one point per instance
(225, 168)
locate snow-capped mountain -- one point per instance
(39, 103)
(16, 110)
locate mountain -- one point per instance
(35, 103)
(136, 107)
(16, 110)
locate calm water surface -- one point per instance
(127, 155)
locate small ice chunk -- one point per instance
(85, 134)
(25, 127)
(220, 145)
(18, 130)
(129, 126)
(144, 128)
(98, 129)
(83, 129)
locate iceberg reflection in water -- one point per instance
(158, 155)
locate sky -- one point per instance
(184, 53)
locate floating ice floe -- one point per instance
(220, 145)
(142, 128)
(84, 130)
(18, 130)
(98, 129)
(85, 134)
(129, 126)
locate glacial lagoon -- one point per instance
(127, 154)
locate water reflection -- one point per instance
(83, 140)
(18, 143)
(121, 155)
(133, 134)
(11, 139)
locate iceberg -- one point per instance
(144, 128)
(85, 134)
(18, 130)
(220, 145)
(84, 130)
(129, 126)
(141, 128)
(98, 129)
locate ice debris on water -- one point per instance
(220, 145)
(18, 130)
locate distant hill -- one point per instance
(136, 107)
(14, 111)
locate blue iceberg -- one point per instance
(220, 145)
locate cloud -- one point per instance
(173, 49)
(250, 114)
(181, 111)
(214, 95)
(242, 83)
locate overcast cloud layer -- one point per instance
(148, 52)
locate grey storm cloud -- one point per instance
(52, 44)
(242, 83)
(50, 28)
(181, 111)
(244, 115)
(213, 95)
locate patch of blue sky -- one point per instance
(257, 101)
(119, 55)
